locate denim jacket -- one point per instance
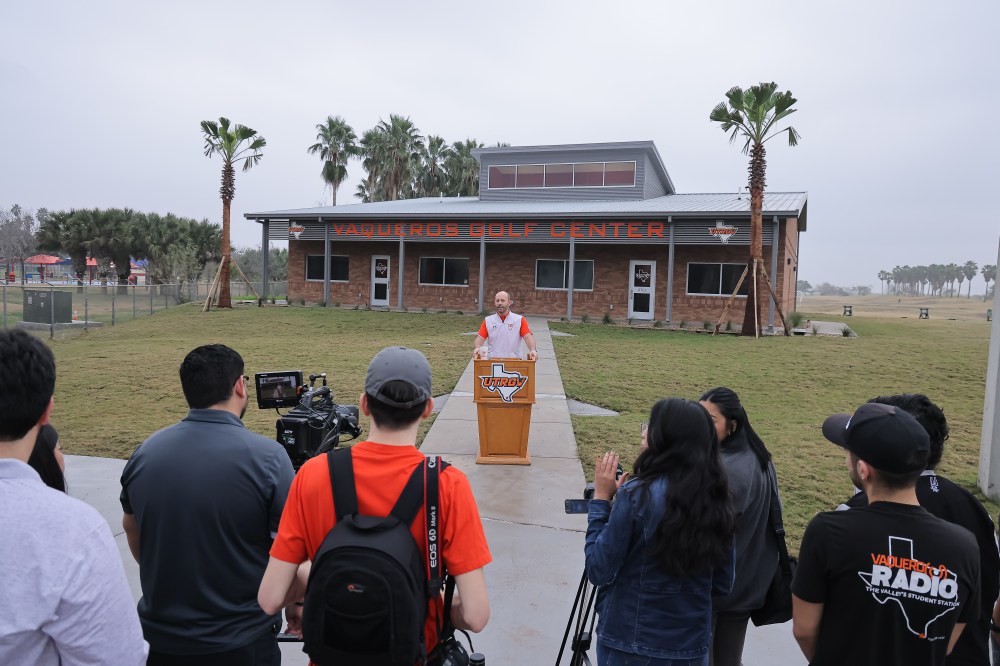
(640, 608)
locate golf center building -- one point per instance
(603, 217)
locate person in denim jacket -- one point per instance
(665, 546)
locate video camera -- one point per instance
(315, 423)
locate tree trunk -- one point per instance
(751, 317)
(225, 295)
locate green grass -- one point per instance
(788, 385)
(117, 385)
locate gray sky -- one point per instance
(102, 102)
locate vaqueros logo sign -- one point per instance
(296, 231)
(502, 382)
(722, 231)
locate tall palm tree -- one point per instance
(883, 276)
(402, 147)
(752, 115)
(336, 142)
(433, 179)
(989, 272)
(238, 144)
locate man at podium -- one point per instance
(504, 331)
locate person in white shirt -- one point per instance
(504, 332)
(64, 599)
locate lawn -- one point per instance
(116, 385)
(119, 384)
(788, 385)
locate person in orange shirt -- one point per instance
(504, 331)
(397, 397)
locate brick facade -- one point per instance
(511, 267)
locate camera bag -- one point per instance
(369, 588)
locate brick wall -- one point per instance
(511, 267)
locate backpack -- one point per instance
(368, 592)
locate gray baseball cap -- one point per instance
(399, 364)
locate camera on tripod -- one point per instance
(315, 423)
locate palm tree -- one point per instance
(336, 142)
(752, 114)
(989, 272)
(402, 147)
(969, 269)
(432, 178)
(234, 145)
(463, 169)
(883, 277)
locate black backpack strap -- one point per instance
(776, 523)
(345, 496)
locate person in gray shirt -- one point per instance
(202, 500)
(64, 598)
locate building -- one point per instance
(602, 217)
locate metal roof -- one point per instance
(648, 147)
(783, 204)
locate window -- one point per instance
(715, 279)
(553, 274)
(558, 175)
(588, 175)
(444, 271)
(501, 177)
(619, 174)
(583, 174)
(339, 266)
(530, 175)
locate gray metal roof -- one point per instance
(647, 147)
(783, 204)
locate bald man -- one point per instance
(504, 331)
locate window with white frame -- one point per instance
(339, 265)
(582, 174)
(444, 271)
(554, 274)
(704, 279)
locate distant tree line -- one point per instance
(17, 235)
(399, 162)
(935, 279)
(175, 249)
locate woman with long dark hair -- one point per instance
(665, 546)
(47, 458)
(748, 468)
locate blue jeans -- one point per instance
(610, 657)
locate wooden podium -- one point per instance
(504, 393)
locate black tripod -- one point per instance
(584, 613)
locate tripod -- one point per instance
(585, 614)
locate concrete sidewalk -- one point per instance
(537, 548)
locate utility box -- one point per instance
(38, 306)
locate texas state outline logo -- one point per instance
(923, 592)
(502, 382)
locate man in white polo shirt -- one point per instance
(504, 331)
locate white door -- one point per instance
(641, 292)
(380, 281)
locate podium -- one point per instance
(504, 393)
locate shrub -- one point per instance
(707, 325)
(815, 329)
(584, 319)
(302, 302)
(606, 319)
(683, 324)
(322, 304)
(424, 310)
(729, 326)
(357, 307)
(336, 304)
(658, 324)
(795, 319)
(458, 312)
(847, 332)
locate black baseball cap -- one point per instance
(884, 436)
(399, 364)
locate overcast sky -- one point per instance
(102, 103)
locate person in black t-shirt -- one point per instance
(955, 504)
(889, 583)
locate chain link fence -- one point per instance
(69, 306)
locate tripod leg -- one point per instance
(577, 602)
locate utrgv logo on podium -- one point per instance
(505, 383)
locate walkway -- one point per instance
(537, 548)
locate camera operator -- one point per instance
(397, 397)
(202, 501)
